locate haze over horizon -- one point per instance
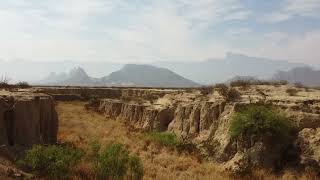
(122, 31)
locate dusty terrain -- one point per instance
(125, 115)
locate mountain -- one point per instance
(76, 77)
(147, 75)
(305, 75)
(129, 75)
(221, 70)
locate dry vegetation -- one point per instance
(80, 126)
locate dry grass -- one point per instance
(79, 126)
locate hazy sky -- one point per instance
(153, 30)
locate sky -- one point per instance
(144, 31)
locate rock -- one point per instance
(309, 142)
(27, 119)
(239, 164)
(138, 115)
(197, 118)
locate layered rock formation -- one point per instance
(27, 118)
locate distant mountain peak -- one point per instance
(78, 71)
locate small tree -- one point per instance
(22, 85)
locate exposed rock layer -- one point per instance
(27, 118)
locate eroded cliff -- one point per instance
(27, 118)
(204, 120)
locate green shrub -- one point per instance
(53, 161)
(164, 138)
(257, 121)
(136, 171)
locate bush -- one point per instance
(258, 121)
(164, 138)
(22, 85)
(292, 91)
(53, 161)
(233, 95)
(112, 162)
(115, 163)
(222, 89)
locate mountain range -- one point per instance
(129, 75)
(203, 72)
(221, 70)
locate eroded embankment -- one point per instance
(77, 93)
(27, 119)
(205, 121)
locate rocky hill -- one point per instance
(147, 76)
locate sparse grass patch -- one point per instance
(163, 138)
(258, 121)
(114, 162)
(136, 170)
(53, 161)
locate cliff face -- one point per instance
(27, 119)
